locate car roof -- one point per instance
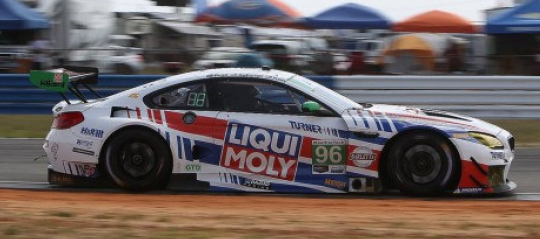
(261, 73)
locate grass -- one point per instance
(25, 126)
(526, 131)
(62, 214)
(11, 232)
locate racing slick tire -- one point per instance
(138, 160)
(423, 164)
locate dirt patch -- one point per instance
(35, 214)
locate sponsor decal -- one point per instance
(50, 81)
(193, 168)
(134, 96)
(314, 128)
(262, 151)
(58, 77)
(87, 170)
(60, 178)
(96, 133)
(335, 183)
(363, 157)
(54, 151)
(321, 168)
(497, 155)
(245, 75)
(85, 143)
(470, 190)
(52, 84)
(328, 156)
(337, 169)
(252, 183)
(83, 151)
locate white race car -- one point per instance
(265, 130)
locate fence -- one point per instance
(478, 96)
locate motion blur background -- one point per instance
(174, 36)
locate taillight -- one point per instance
(67, 120)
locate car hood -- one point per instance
(413, 117)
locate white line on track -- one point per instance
(21, 138)
(23, 182)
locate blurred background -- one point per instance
(338, 38)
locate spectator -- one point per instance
(357, 63)
(39, 50)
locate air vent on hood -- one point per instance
(442, 114)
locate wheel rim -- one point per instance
(137, 159)
(421, 164)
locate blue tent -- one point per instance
(348, 16)
(524, 18)
(17, 16)
(258, 12)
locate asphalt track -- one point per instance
(19, 169)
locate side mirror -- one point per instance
(311, 106)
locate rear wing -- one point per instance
(68, 78)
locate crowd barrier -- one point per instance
(478, 96)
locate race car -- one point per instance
(264, 130)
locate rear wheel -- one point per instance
(138, 160)
(423, 164)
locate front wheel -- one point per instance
(423, 164)
(138, 160)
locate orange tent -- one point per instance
(418, 48)
(436, 22)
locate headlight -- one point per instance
(487, 140)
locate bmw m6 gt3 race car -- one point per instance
(263, 130)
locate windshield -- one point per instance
(322, 93)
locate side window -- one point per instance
(261, 97)
(194, 96)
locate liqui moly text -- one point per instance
(259, 150)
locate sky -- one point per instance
(398, 10)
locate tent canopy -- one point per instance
(17, 16)
(435, 22)
(524, 18)
(256, 12)
(414, 52)
(348, 16)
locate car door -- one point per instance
(187, 114)
(269, 137)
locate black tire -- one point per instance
(138, 160)
(423, 164)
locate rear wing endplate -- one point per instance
(67, 78)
